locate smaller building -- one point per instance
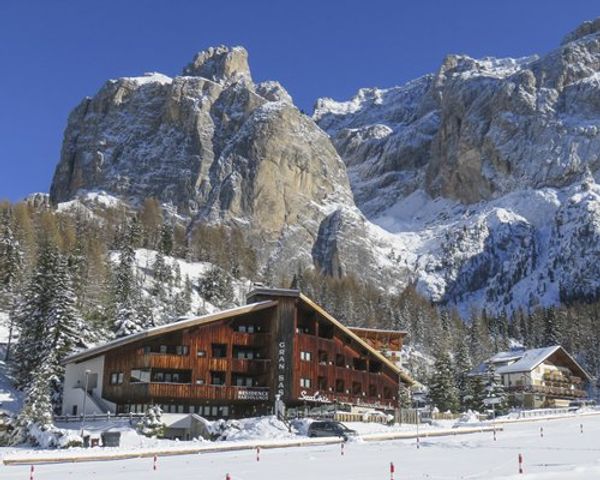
(540, 377)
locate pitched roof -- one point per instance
(526, 361)
(170, 327)
(407, 378)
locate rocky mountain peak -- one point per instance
(586, 28)
(221, 64)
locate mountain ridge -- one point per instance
(473, 182)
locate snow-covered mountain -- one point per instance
(222, 150)
(476, 182)
(483, 173)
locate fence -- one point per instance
(544, 412)
(105, 417)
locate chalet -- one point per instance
(238, 362)
(541, 377)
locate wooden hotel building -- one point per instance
(236, 363)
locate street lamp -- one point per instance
(87, 379)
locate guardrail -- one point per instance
(97, 417)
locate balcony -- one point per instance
(245, 339)
(253, 367)
(207, 392)
(551, 391)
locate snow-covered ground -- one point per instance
(563, 453)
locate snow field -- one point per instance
(563, 453)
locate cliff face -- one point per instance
(476, 129)
(477, 181)
(220, 149)
(474, 170)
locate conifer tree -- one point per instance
(216, 287)
(463, 366)
(551, 329)
(151, 424)
(476, 393)
(126, 319)
(11, 264)
(442, 390)
(32, 316)
(36, 414)
(494, 390)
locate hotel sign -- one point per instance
(253, 394)
(281, 366)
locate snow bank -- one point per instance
(263, 428)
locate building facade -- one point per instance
(541, 377)
(236, 363)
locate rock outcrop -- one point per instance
(471, 167)
(476, 182)
(221, 150)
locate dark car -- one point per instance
(330, 429)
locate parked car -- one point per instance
(330, 428)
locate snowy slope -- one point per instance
(482, 176)
(563, 453)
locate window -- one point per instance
(305, 382)
(387, 393)
(323, 357)
(182, 349)
(201, 353)
(372, 390)
(224, 411)
(219, 350)
(140, 376)
(217, 378)
(340, 361)
(305, 356)
(241, 381)
(339, 385)
(116, 378)
(356, 388)
(322, 383)
(163, 349)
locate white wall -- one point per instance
(74, 385)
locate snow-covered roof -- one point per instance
(152, 332)
(528, 360)
(525, 361)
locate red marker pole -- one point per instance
(31, 470)
(155, 465)
(392, 470)
(520, 463)
(258, 454)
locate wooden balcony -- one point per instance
(254, 366)
(244, 339)
(189, 392)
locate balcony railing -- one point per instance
(550, 391)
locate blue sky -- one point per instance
(54, 53)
